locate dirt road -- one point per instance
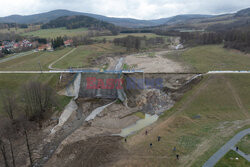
(16, 56)
(51, 65)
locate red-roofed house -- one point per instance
(16, 45)
(44, 47)
(1, 47)
(68, 42)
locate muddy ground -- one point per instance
(94, 151)
(111, 121)
(70, 145)
(80, 143)
(149, 62)
(153, 63)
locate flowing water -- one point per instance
(140, 124)
(97, 111)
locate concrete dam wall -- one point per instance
(105, 85)
(102, 85)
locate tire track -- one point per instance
(237, 99)
(50, 66)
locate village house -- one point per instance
(45, 47)
(42, 48)
(16, 45)
(68, 42)
(25, 43)
(10, 45)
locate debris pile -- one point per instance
(154, 101)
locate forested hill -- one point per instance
(73, 22)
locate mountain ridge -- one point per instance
(122, 22)
(51, 15)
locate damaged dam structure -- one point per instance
(100, 85)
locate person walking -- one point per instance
(146, 133)
(177, 156)
(150, 145)
(159, 138)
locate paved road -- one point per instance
(227, 72)
(50, 66)
(16, 56)
(244, 155)
(227, 147)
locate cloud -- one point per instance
(141, 9)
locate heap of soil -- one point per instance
(96, 151)
(153, 100)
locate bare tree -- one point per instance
(38, 98)
(12, 153)
(9, 101)
(1, 54)
(2, 147)
(9, 133)
(28, 147)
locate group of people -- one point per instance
(158, 139)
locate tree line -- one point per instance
(57, 42)
(12, 25)
(204, 38)
(166, 32)
(136, 43)
(236, 39)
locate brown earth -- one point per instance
(154, 64)
(95, 151)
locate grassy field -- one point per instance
(20, 30)
(84, 55)
(198, 125)
(244, 144)
(229, 160)
(15, 81)
(212, 57)
(111, 38)
(6, 56)
(31, 62)
(55, 32)
(17, 31)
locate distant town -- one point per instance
(10, 47)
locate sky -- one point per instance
(139, 9)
